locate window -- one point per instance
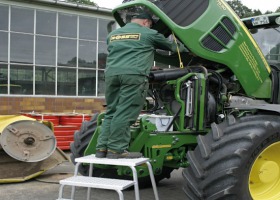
(87, 82)
(88, 28)
(45, 80)
(4, 16)
(3, 79)
(102, 55)
(45, 50)
(22, 77)
(67, 25)
(52, 51)
(66, 81)
(22, 20)
(101, 83)
(105, 27)
(46, 23)
(87, 54)
(21, 48)
(67, 52)
(4, 47)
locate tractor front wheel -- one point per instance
(237, 159)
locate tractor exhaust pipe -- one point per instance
(168, 74)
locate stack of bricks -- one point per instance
(15, 105)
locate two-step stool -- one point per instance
(106, 183)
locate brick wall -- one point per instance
(15, 105)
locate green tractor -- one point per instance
(215, 112)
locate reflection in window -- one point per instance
(22, 20)
(67, 52)
(66, 81)
(105, 27)
(22, 77)
(102, 55)
(268, 40)
(4, 47)
(21, 48)
(87, 28)
(45, 80)
(4, 16)
(3, 79)
(45, 23)
(67, 25)
(45, 50)
(101, 83)
(87, 54)
(87, 82)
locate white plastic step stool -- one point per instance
(106, 183)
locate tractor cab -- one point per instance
(266, 31)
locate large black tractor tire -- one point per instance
(82, 138)
(237, 160)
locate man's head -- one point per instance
(144, 19)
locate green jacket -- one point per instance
(131, 49)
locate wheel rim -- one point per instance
(264, 179)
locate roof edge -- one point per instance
(70, 5)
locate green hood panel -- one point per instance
(213, 32)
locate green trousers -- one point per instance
(125, 96)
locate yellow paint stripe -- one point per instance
(161, 146)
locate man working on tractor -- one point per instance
(131, 56)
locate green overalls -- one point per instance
(131, 56)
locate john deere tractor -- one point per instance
(215, 111)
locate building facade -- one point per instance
(52, 56)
